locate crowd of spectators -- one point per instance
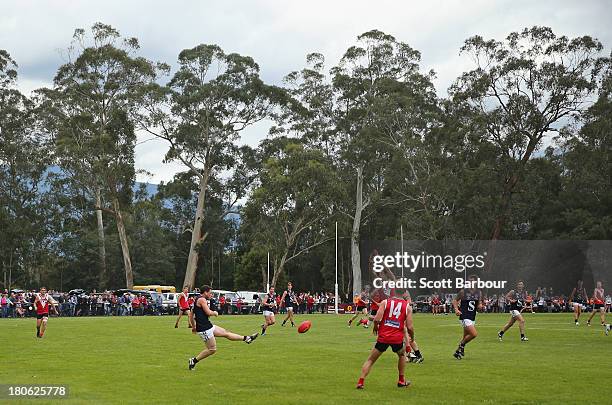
(540, 300)
(17, 303)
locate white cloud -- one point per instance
(278, 34)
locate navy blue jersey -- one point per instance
(290, 300)
(580, 295)
(202, 321)
(518, 300)
(469, 303)
(269, 303)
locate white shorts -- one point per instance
(515, 313)
(467, 323)
(290, 309)
(268, 313)
(577, 304)
(207, 334)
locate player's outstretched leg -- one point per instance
(500, 335)
(248, 339)
(350, 322)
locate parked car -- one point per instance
(217, 293)
(169, 303)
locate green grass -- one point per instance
(144, 359)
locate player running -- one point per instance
(290, 302)
(598, 304)
(392, 322)
(201, 324)
(578, 299)
(184, 306)
(269, 309)
(516, 299)
(361, 307)
(41, 302)
(466, 303)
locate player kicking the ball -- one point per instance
(41, 302)
(392, 322)
(202, 325)
(516, 298)
(269, 309)
(466, 303)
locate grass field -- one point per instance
(144, 360)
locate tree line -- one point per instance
(519, 148)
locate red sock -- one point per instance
(360, 382)
(401, 379)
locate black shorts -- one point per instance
(359, 309)
(598, 306)
(373, 312)
(183, 311)
(41, 316)
(382, 347)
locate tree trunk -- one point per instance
(125, 250)
(196, 234)
(355, 255)
(509, 189)
(101, 241)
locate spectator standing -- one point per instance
(310, 303)
(4, 302)
(135, 305)
(239, 305)
(144, 303)
(223, 304)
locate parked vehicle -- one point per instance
(156, 287)
(169, 303)
(251, 300)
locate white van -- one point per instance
(252, 299)
(169, 304)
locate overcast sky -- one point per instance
(278, 34)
